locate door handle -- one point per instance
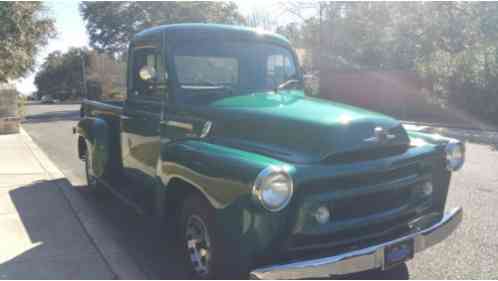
(181, 125)
(124, 117)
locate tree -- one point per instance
(112, 24)
(261, 19)
(110, 72)
(23, 29)
(463, 61)
(61, 75)
(453, 44)
(293, 32)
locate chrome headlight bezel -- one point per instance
(455, 155)
(260, 187)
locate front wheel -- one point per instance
(93, 184)
(205, 251)
(91, 179)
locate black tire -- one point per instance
(221, 263)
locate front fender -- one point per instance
(222, 174)
(95, 131)
(225, 176)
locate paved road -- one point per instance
(471, 253)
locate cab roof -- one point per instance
(199, 31)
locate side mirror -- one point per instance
(147, 73)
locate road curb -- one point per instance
(118, 261)
(52, 171)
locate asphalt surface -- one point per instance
(470, 253)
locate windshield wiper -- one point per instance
(286, 84)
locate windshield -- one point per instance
(209, 71)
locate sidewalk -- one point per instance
(42, 232)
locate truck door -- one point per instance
(142, 112)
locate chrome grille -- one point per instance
(370, 204)
(384, 202)
(362, 180)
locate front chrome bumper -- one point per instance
(360, 260)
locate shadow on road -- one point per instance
(150, 245)
(396, 273)
(41, 237)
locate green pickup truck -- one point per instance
(217, 138)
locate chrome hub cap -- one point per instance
(198, 245)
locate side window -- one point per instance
(279, 68)
(150, 59)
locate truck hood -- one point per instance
(296, 128)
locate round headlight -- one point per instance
(273, 188)
(322, 215)
(455, 155)
(425, 189)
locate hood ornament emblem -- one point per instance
(380, 136)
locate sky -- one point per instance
(71, 31)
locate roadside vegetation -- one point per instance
(453, 45)
(110, 26)
(61, 75)
(24, 29)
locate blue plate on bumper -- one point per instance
(398, 253)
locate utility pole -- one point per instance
(83, 75)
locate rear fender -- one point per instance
(95, 131)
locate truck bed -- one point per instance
(108, 105)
